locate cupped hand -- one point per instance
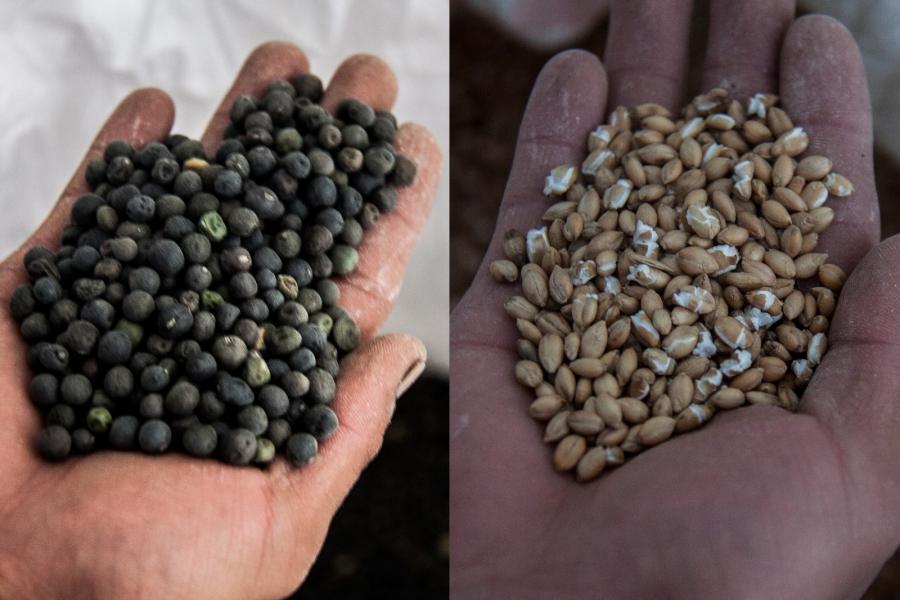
(124, 525)
(761, 502)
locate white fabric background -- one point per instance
(65, 65)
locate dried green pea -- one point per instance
(134, 331)
(344, 259)
(213, 226)
(265, 451)
(346, 334)
(323, 321)
(98, 420)
(287, 285)
(210, 299)
(256, 371)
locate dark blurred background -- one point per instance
(390, 538)
(492, 71)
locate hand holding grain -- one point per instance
(124, 525)
(805, 498)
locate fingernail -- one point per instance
(410, 377)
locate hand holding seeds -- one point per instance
(213, 380)
(657, 325)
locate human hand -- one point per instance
(759, 503)
(125, 525)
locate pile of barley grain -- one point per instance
(664, 286)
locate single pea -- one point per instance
(321, 386)
(140, 209)
(320, 421)
(295, 384)
(283, 340)
(197, 278)
(118, 382)
(114, 348)
(210, 299)
(278, 432)
(264, 203)
(379, 160)
(154, 378)
(122, 249)
(265, 451)
(54, 442)
(200, 367)
(47, 290)
(138, 305)
(385, 198)
(182, 398)
(241, 107)
(328, 291)
(213, 226)
(234, 391)
(98, 420)
(243, 222)
(228, 184)
(287, 285)
(242, 286)
(86, 289)
(154, 436)
(204, 326)
(226, 314)
(297, 164)
(174, 321)
(309, 86)
(85, 257)
(302, 360)
(210, 407)
(144, 278)
(230, 351)
(252, 418)
(256, 371)
(344, 258)
(199, 440)
(404, 171)
(166, 257)
(288, 140)
(22, 302)
(151, 407)
(54, 358)
(35, 327)
(62, 415)
(292, 314)
(76, 389)
(314, 333)
(123, 432)
(320, 191)
(82, 441)
(238, 447)
(273, 400)
(187, 183)
(301, 449)
(345, 334)
(356, 111)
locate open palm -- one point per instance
(760, 503)
(124, 525)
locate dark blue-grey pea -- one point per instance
(301, 449)
(150, 153)
(237, 447)
(204, 326)
(321, 386)
(166, 257)
(199, 440)
(177, 227)
(35, 327)
(22, 302)
(264, 202)
(320, 191)
(165, 170)
(320, 421)
(154, 378)
(47, 290)
(62, 415)
(114, 348)
(174, 321)
(331, 219)
(252, 418)
(122, 249)
(296, 164)
(255, 309)
(292, 314)
(272, 298)
(159, 345)
(76, 389)
(118, 382)
(54, 442)
(54, 358)
(302, 360)
(228, 184)
(233, 390)
(313, 337)
(242, 286)
(187, 183)
(261, 160)
(273, 400)
(279, 431)
(352, 234)
(44, 389)
(182, 399)
(265, 279)
(196, 247)
(99, 313)
(210, 407)
(300, 270)
(266, 258)
(277, 368)
(242, 222)
(198, 278)
(200, 367)
(295, 384)
(140, 209)
(144, 278)
(138, 305)
(82, 441)
(84, 258)
(154, 436)
(86, 289)
(123, 432)
(152, 406)
(85, 208)
(230, 351)
(226, 314)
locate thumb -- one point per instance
(371, 380)
(855, 393)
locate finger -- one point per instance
(566, 103)
(646, 54)
(363, 77)
(371, 380)
(744, 44)
(854, 391)
(823, 87)
(145, 115)
(269, 61)
(369, 293)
